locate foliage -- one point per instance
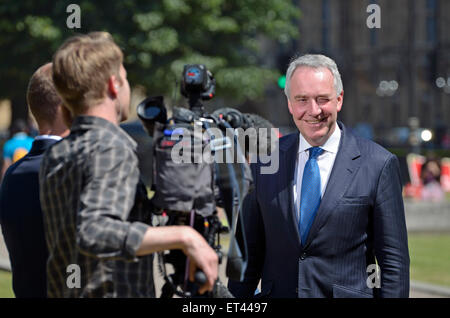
(158, 38)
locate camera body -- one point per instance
(188, 192)
(197, 82)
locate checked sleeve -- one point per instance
(104, 229)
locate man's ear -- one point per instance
(289, 106)
(113, 86)
(340, 101)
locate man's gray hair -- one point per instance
(314, 61)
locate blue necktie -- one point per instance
(310, 198)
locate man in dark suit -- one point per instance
(20, 210)
(330, 222)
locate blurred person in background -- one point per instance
(20, 209)
(431, 179)
(17, 146)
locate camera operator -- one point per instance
(95, 208)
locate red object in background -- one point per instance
(413, 191)
(280, 134)
(415, 163)
(445, 174)
(167, 143)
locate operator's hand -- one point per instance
(201, 256)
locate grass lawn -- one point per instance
(6, 285)
(430, 258)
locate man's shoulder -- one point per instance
(289, 137)
(371, 147)
(108, 138)
(25, 164)
(289, 141)
(85, 147)
(56, 149)
(372, 151)
(90, 140)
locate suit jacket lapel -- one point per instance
(344, 169)
(289, 154)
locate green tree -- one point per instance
(158, 38)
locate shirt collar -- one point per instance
(83, 122)
(54, 137)
(331, 145)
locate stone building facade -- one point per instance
(389, 73)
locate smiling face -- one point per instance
(313, 103)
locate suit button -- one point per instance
(303, 256)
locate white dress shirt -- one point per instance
(54, 137)
(325, 162)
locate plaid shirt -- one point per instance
(94, 214)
